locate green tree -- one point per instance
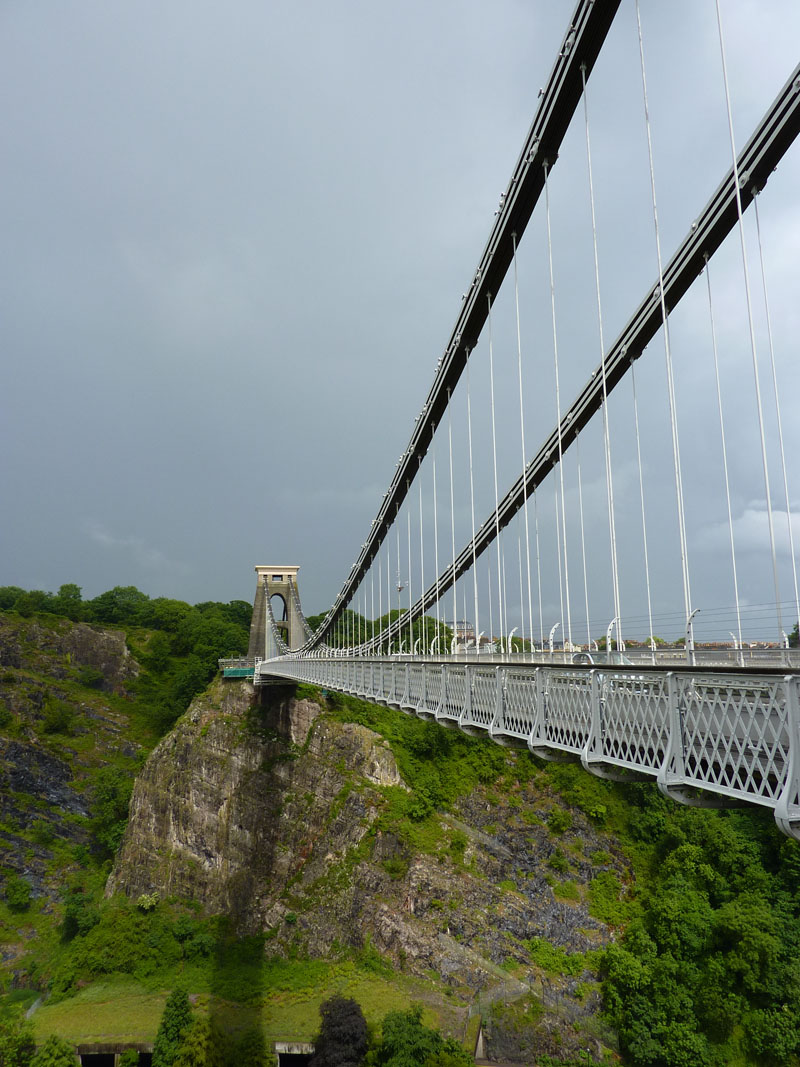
(407, 1042)
(28, 604)
(55, 1052)
(120, 604)
(129, 1058)
(8, 596)
(16, 1043)
(342, 1037)
(68, 601)
(176, 1019)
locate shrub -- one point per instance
(558, 862)
(396, 868)
(566, 891)
(559, 821)
(16, 1043)
(555, 960)
(42, 832)
(605, 890)
(55, 1052)
(59, 717)
(18, 893)
(91, 677)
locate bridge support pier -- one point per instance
(280, 582)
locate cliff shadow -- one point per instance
(238, 986)
(239, 977)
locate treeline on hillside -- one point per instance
(179, 656)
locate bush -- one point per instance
(556, 960)
(16, 1043)
(566, 891)
(559, 821)
(42, 832)
(18, 894)
(80, 914)
(55, 1052)
(91, 677)
(405, 1040)
(605, 904)
(59, 717)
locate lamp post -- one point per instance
(690, 656)
(608, 636)
(508, 641)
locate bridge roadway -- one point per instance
(708, 737)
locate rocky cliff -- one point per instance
(58, 725)
(262, 807)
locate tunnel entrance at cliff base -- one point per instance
(293, 1054)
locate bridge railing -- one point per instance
(710, 738)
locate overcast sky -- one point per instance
(235, 240)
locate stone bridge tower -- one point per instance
(280, 583)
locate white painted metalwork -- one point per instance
(733, 736)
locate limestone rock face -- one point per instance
(241, 795)
(263, 808)
(49, 650)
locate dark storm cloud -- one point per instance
(235, 240)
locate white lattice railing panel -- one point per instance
(735, 736)
(484, 697)
(455, 693)
(567, 709)
(634, 720)
(388, 682)
(416, 685)
(520, 703)
(433, 690)
(357, 678)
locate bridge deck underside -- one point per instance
(734, 737)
